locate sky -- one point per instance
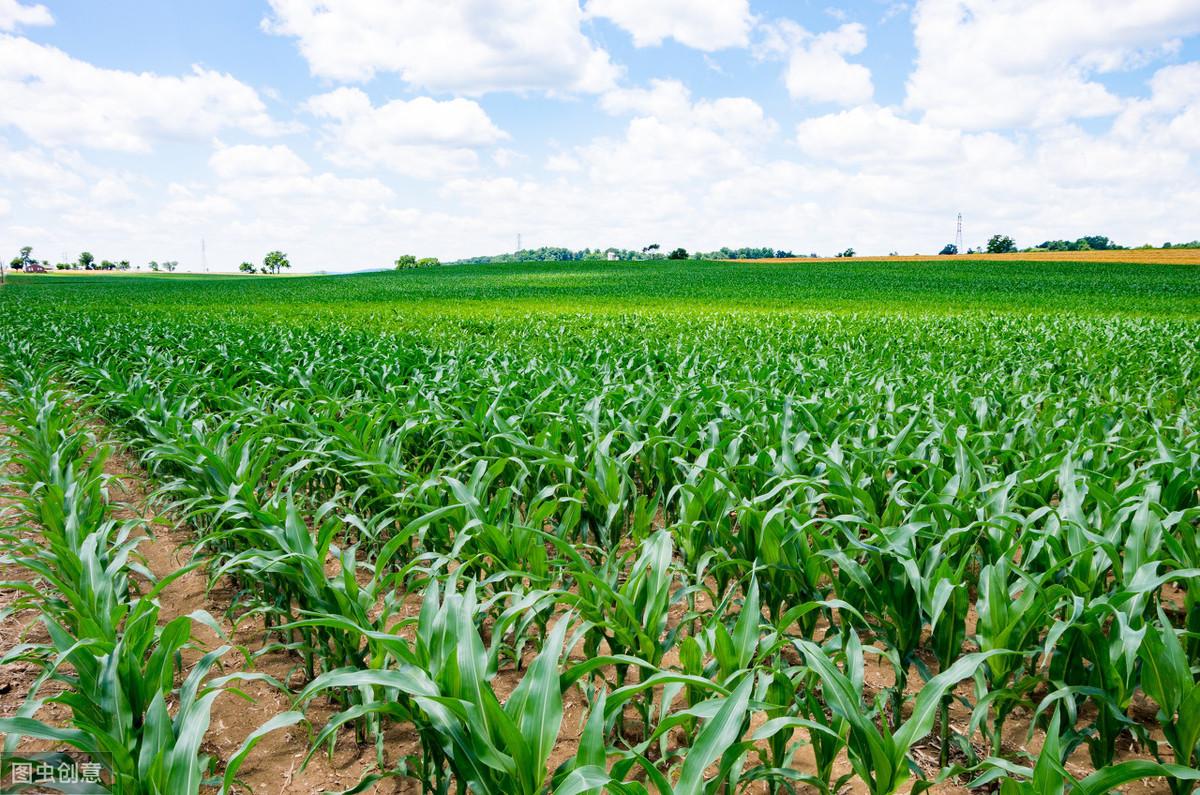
(349, 132)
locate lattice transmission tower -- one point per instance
(958, 241)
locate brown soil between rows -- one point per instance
(275, 766)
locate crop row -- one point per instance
(703, 530)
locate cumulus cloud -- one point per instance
(672, 138)
(872, 134)
(1170, 116)
(56, 99)
(254, 161)
(702, 24)
(983, 64)
(464, 46)
(421, 137)
(14, 13)
(817, 69)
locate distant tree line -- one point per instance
(552, 254)
(746, 252)
(651, 252)
(1003, 244)
(25, 261)
(1086, 243)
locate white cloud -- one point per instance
(112, 190)
(563, 163)
(703, 24)
(466, 46)
(1170, 116)
(672, 138)
(278, 172)
(817, 69)
(873, 134)
(984, 64)
(56, 99)
(1070, 156)
(13, 13)
(421, 137)
(670, 101)
(253, 161)
(35, 166)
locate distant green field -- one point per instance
(711, 496)
(686, 287)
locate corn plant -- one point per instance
(878, 755)
(1167, 678)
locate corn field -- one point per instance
(763, 551)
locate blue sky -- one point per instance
(346, 132)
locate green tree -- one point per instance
(1001, 244)
(246, 267)
(123, 265)
(23, 260)
(170, 265)
(406, 261)
(949, 248)
(679, 253)
(847, 253)
(276, 261)
(428, 262)
(87, 261)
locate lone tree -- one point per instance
(949, 248)
(679, 253)
(87, 261)
(246, 267)
(19, 262)
(847, 253)
(406, 261)
(170, 265)
(1001, 244)
(23, 260)
(275, 262)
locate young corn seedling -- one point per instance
(878, 755)
(630, 617)
(1167, 678)
(487, 747)
(1014, 610)
(884, 584)
(793, 704)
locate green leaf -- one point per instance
(719, 733)
(239, 756)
